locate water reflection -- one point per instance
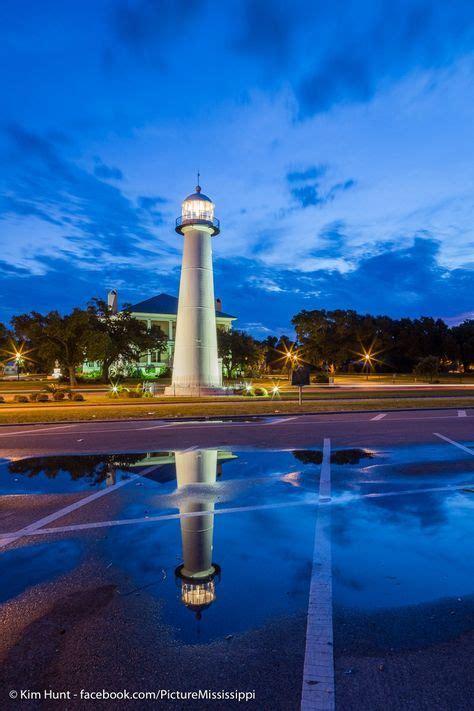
(338, 456)
(198, 572)
(95, 469)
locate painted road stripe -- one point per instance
(151, 519)
(343, 501)
(379, 417)
(42, 429)
(456, 444)
(462, 413)
(318, 671)
(325, 478)
(280, 420)
(33, 527)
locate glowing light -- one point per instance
(196, 595)
(19, 355)
(275, 390)
(114, 389)
(368, 358)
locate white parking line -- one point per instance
(325, 479)
(318, 670)
(379, 417)
(462, 413)
(310, 501)
(456, 444)
(280, 420)
(34, 527)
(147, 519)
(42, 429)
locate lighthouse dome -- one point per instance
(197, 209)
(198, 195)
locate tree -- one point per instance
(239, 351)
(66, 339)
(120, 337)
(464, 337)
(428, 366)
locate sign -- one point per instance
(300, 376)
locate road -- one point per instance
(365, 429)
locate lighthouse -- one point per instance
(196, 367)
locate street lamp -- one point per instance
(19, 363)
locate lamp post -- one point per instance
(19, 363)
(368, 363)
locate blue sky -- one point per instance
(336, 140)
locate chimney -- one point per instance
(112, 302)
(218, 305)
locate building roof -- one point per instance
(164, 304)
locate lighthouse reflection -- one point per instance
(198, 574)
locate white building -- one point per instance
(162, 311)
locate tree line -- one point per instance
(92, 334)
(341, 338)
(326, 340)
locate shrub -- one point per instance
(42, 397)
(77, 397)
(20, 398)
(134, 393)
(261, 392)
(321, 378)
(33, 397)
(59, 395)
(165, 373)
(2, 399)
(247, 391)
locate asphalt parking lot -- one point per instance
(317, 561)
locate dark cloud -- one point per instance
(344, 51)
(297, 176)
(308, 195)
(96, 216)
(332, 241)
(108, 173)
(400, 282)
(141, 23)
(267, 30)
(150, 203)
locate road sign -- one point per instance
(300, 376)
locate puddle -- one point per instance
(340, 456)
(223, 540)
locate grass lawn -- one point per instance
(157, 408)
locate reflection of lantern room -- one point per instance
(198, 574)
(197, 593)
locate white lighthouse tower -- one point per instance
(196, 368)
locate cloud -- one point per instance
(297, 176)
(267, 30)
(108, 173)
(400, 282)
(96, 220)
(344, 52)
(140, 24)
(313, 195)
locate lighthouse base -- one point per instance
(195, 391)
